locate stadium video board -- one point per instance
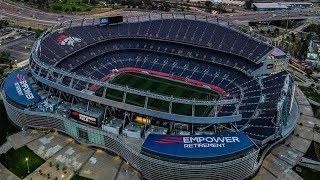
(83, 118)
(104, 21)
(197, 147)
(111, 20)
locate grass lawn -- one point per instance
(160, 86)
(15, 161)
(77, 177)
(70, 6)
(314, 151)
(307, 173)
(5, 125)
(310, 94)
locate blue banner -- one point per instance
(197, 147)
(18, 88)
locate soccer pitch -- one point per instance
(164, 87)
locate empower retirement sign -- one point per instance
(197, 147)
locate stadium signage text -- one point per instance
(87, 119)
(81, 117)
(205, 142)
(196, 147)
(22, 87)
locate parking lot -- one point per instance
(17, 42)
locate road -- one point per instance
(256, 16)
(18, 12)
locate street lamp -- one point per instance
(27, 159)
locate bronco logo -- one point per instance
(68, 40)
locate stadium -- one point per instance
(177, 96)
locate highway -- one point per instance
(23, 13)
(256, 16)
(19, 12)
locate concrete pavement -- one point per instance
(278, 164)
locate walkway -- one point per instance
(5, 174)
(58, 149)
(15, 141)
(278, 164)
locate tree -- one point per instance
(248, 4)
(94, 2)
(38, 33)
(313, 28)
(57, 7)
(41, 3)
(269, 31)
(293, 37)
(6, 23)
(220, 8)
(276, 31)
(73, 8)
(5, 57)
(304, 47)
(308, 73)
(1, 71)
(3, 23)
(208, 4)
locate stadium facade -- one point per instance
(71, 62)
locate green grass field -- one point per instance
(15, 161)
(307, 173)
(160, 86)
(77, 177)
(310, 94)
(70, 6)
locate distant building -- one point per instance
(280, 6)
(297, 5)
(278, 54)
(313, 55)
(229, 2)
(268, 6)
